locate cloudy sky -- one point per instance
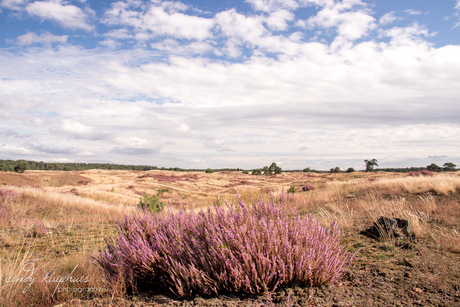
(197, 84)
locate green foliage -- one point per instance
(256, 172)
(292, 189)
(306, 170)
(151, 203)
(6, 168)
(21, 167)
(433, 168)
(449, 167)
(246, 172)
(370, 164)
(336, 170)
(275, 168)
(350, 170)
(209, 171)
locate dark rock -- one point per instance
(386, 227)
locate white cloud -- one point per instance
(274, 5)
(78, 130)
(12, 4)
(119, 34)
(278, 20)
(68, 16)
(44, 38)
(350, 24)
(408, 35)
(15, 150)
(111, 43)
(283, 97)
(175, 47)
(413, 12)
(161, 20)
(388, 18)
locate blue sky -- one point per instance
(197, 84)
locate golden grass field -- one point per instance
(50, 227)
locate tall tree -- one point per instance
(370, 164)
(433, 167)
(449, 166)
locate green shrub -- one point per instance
(246, 172)
(291, 189)
(209, 171)
(151, 203)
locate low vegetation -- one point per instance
(253, 248)
(192, 247)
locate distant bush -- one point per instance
(291, 189)
(308, 187)
(209, 171)
(21, 167)
(306, 170)
(336, 170)
(251, 249)
(246, 172)
(256, 172)
(350, 170)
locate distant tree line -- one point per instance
(23, 165)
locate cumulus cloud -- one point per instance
(236, 88)
(159, 19)
(274, 5)
(349, 24)
(68, 16)
(15, 150)
(44, 38)
(78, 130)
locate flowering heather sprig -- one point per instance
(425, 173)
(254, 248)
(7, 197)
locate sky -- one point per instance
(231, 84)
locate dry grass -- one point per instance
(63, 230)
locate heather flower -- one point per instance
(251, 248)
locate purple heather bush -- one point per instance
(308, 187)
(252, 248)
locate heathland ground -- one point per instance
(52, 220)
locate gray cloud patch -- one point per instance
(437, 157)
(134, 151)
(53, 148)
(13, 134)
